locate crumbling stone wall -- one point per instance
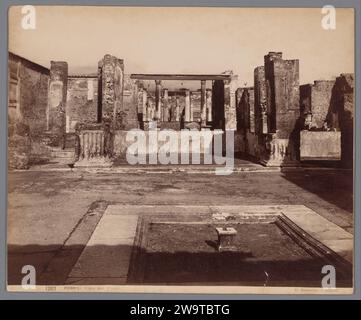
(240, 113)
(246, 109)
(230, 87)
(246, 121)
(315, 102)
(276, 111)
(282, 80)
(341, 113)
(129, 111)
(260, 101)
(218, 104)
(111, 86)
(56, 124)
(27, 105)
(82, 101)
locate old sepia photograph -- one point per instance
(180, 149)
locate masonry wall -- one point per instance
(245, 109)
(218, 109)
(28, 92)
(260, 100)
(315, 99)
(28, 97)
(239, 109)
(130, 102)
(341, 114)
(82, 101)
(282, 81)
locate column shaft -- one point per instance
(177, 109)
(187, 113)
(158, 90)
(165, 106)
(209, 104)
(144, 105)
(203, 103)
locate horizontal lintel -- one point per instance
(198, 77)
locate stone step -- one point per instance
(62, 153)
(62, 161)
(70, 140)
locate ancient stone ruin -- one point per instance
(83, 118)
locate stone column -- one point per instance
(230, 103)
(177, 109)
(111, 72)
(187, 113)
(191, 110)
(203, 104)
(209, 105)
(56, 119)
(166, 115)
(158, 102)
(144, 105)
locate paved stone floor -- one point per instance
(52, 215)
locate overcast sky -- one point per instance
(186, 40)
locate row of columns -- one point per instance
(206, 100)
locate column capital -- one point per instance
(158, 82)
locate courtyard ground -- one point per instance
(47, 209)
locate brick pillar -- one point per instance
(281, 146)
(56, 119)
(230, 103)
(260, 101)
(111, 74)
(218, 104)
(282, 77)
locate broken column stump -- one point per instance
(94, 147)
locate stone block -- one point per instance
(320, 145)
(226, 237)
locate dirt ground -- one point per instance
(262, 255)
